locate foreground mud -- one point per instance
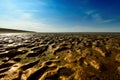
(60, 56)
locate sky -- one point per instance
(61, 15)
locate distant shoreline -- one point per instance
(4, 30)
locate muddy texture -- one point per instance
(60, 56)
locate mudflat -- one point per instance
(60, 56)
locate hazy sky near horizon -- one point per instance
(61, 15)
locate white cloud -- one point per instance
(90, 12)
(24, 24)
(108, 20)
(40, 2)
(97, 17)
(26, 21)
(26, 16)
(31, 11)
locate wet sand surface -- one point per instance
(60, 56)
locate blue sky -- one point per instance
(61, 15)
